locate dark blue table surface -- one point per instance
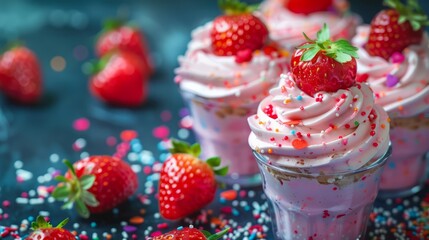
(40, 136)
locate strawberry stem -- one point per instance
(341, 50)
(112, 24)
(234, 7)
(42, 223)
(411, 12)
(195, 150)
(75, 191)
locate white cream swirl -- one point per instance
(331, 132)
(410, 95)
(287, 27)
(221, 77)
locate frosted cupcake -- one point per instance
(394, 61)
(229, 66)
(322, 145)
(288, 19)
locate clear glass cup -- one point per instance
(405, 171)
(222, 130)
(320, 206)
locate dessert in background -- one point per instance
(20, 75)
(394, 62)
(229, 66)
(187, 183)
(288, 19)
(322, 144)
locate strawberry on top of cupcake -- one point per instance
(231, 58)
(287, 19)
(394, 58)
(319, 118)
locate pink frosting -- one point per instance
(287, 27)
(331, 132)
(408, 93)
(220, 77)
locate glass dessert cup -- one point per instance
(405, 171)
(320, 206)
(222, 130)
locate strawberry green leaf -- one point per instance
(234, 7)
(307, 38)
(411, 12)
(323, 35)
(89, 199)
(81, 208)
(179, 146)
(70, 167)
(67, 205)
(306, 46)
(40, 223)
(61, 193)
(221, 171)
(62, 223)
(61, 178)
(214, 161)
(309, 54)
(86, 181)
(218, 235)
(341, 50)
(206, 233)
(342, 57)
(196, 149)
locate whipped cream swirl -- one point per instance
(332, 132)
(401, 87)
(221, 77)
(287, 27)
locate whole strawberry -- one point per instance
(187, 184)
(238, 30)
(394, 29)
(115, 35)
(20, 75)
(190, 233)
(96, 184)
(323, 65)
(43, 230)
(307, 6)
(119, 79)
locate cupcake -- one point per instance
(229, 66)
(322, 146)
(394, 62)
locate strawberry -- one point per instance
(190, 233)
(394, 29)
(307, 6)
(238, 30)
(20, 75)
(96, 184)
(323, 65)
(187, 184)
(116, 35)
(119, 79)
(43, 230)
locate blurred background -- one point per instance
(68, 28)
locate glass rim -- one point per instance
(282, 169)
